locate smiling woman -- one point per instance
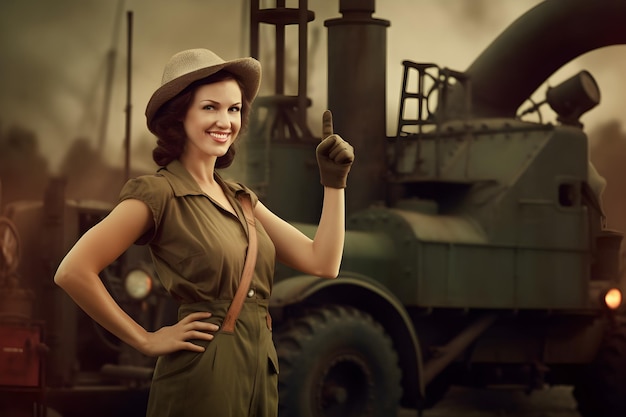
(213, 243)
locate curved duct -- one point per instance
(533, 47)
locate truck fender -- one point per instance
(367, 295)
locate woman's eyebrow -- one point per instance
(217, 102)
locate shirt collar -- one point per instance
(183, 183)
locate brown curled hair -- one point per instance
(169, 128)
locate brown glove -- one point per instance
(334, 155)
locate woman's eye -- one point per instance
(235, 109)
(208, 107)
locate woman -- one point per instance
(194, 223)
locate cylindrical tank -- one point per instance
(357, 61)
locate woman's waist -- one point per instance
(218, 308)
(186, 291)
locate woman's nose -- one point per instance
(223, 119)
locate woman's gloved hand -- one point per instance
(334, 155)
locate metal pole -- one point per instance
(111, 60)
(129, 15)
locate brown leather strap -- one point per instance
(248, 267)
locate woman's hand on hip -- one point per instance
(179, 336)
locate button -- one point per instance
(251, 293)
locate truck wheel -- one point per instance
(601, 391)
(336, 361)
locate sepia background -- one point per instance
(63, 78)
(63, 93)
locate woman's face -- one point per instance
(213, 119)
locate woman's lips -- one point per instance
(219, 136)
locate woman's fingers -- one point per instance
(193, 328)
(193, 322)
(198, 335)
(198, 315)
(200, 325)
(341, 152)
(192, 347)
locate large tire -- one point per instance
(601, 389)
(336, 361)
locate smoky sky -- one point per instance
(55, 57)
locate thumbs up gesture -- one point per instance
(334, 155)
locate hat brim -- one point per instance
(247, 70)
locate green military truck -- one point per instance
(476, 252)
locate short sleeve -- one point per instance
(155, 191)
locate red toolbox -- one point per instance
(20, 354)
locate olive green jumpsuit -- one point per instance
(198, 249)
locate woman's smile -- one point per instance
(221, 137)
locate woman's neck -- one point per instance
(202, 170)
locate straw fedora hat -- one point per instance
(194, 64)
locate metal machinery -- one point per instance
(476, 251)
(54, 360)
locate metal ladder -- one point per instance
(423, 116)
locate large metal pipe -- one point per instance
(530, 50)
(357, 63)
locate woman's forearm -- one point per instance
(88, 291)
(329, 238)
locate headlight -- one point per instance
(138, 284)
(613, 298)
